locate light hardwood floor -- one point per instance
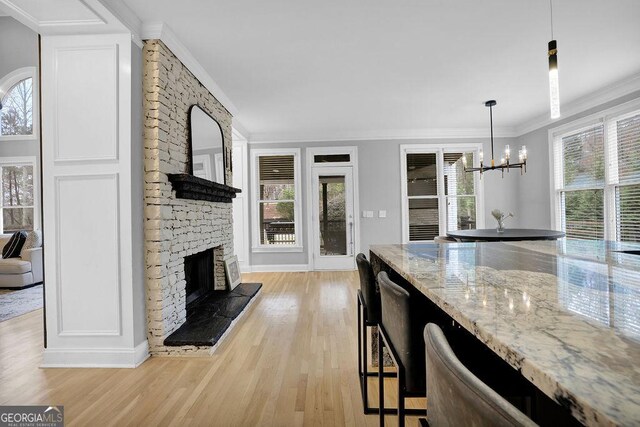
(290, 361)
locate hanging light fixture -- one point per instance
(554, 89)
(505, 161)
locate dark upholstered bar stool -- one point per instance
(368, 315)
(456, 396)
(401, 328)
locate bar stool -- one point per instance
(456, 396)
(401, 328)
(368, 315)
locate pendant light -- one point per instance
(505, 161)
(554, 89)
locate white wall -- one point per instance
(92, 201)
(379, 186)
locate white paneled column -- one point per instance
(87, 201)
(241, 203)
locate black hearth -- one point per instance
(199, 275)
(210, 312)
(212, 316)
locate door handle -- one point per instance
(351, 240)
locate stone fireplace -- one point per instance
(176, 229)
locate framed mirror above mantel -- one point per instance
(208, 160)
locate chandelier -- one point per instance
(505, 161)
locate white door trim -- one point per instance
(243, 199)
(309, 154)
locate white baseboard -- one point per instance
(278, 268)
(95, 357)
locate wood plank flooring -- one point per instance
(291, 360)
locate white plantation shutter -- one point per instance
(580, 180)
(422, 192)
(628, 213)
(624, 175)
(583, 159)
(597, 177)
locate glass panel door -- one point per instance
(331, 212)
(422, 192)
(332, 217)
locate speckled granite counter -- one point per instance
(566, 313)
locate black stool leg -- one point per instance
(401, 412)
(359, 341)
(380, 379)
(365, 377)
(363, 362)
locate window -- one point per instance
(580, 184)
(276, 194)
(17, 97)
(18, 196)
(438, 196)
(597, 177)
(624, 142)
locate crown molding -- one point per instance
(239, 132)
(161, 31)
(21, 15)
(126, 16)
(599, 97)
(25, 18)
(381, 135)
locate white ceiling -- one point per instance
(332, 67)
(301, 69)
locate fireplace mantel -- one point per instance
(196, 188)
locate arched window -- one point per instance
(17, 96)
(17, 109)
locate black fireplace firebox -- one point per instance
(199, 275)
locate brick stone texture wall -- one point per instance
(175, 228)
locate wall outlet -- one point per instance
(382, 214)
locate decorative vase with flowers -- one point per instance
(500, 217)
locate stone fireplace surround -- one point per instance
(176, 228)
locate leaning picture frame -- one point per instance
(232, 270)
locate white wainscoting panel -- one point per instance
(86, 103)
(87, 202)
(88, 255)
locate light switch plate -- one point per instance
(382, 214)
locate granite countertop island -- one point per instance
(565, 313)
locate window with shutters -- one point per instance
(580, 183)
(597, 178)
(624, 176)
(277, 195)
(438, 196)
